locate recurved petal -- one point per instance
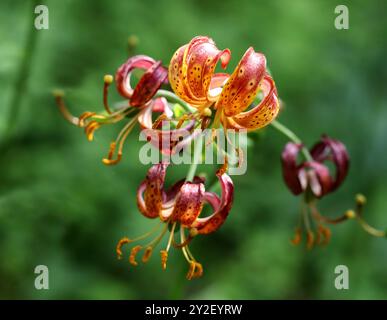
(318, 177)
(192, 68)
(290, 168)
(124, 72)
(221, 207)
(243, 85)
(148, 85)
(166, 139)
(262, 114)
(333, 150)
(150, 192)
(189, 203)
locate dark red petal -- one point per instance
(189, 203)
(223, 207)
(332, 150)
(148, 85)
(124, 72)
(155, 74)
(318, 178)
(151, 191)
(290, 169)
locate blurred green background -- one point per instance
(61, 207)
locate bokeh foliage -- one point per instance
(60, 206)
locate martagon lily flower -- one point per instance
(192, 77)
(140, 107)
(314, 180)
(179, 207)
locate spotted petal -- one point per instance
(221, 207)
(262, 114)
(189, 203)
(243, 85)
(191, 70)
(150, 193)
(155, 74)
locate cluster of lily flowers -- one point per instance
(200, 97)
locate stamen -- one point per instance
(316, 214)
(85, 116)
(297, 237)
(147, 254)
(90, 129)
(224, 167)
(126, 240)
(238, 150)
(133, 253)
(159, 119)
(191, 270)
(164, 258)
(171, 236)
(107, 79)
(212, 137)
(156, 241)
(119, 247)
(199, 270)
(58, 94)
(121, 140)
(184, 118)
(309, 239)
(327, 235)
(309, 232)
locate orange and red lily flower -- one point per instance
(180, 206)
(140, 102)
(192, 77)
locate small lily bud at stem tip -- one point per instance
(108, 79)
(132, 42)
(58, 93)
(361, 200)
(350, 214)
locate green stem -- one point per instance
(194, 164)
(170, 96)
(23, 72)
(292, 136)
